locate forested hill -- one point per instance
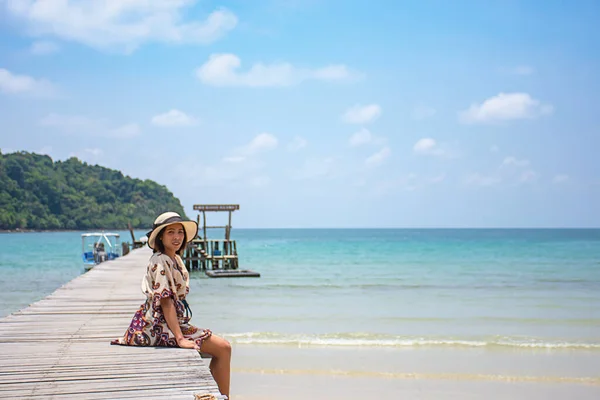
(37, 193)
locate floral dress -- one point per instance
(164, 279)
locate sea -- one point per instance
(369, 288)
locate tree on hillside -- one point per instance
(37, 193)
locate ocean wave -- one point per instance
(391, 341)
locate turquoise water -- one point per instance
(370, 287)
(33, 265)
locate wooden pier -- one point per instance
(59, 347)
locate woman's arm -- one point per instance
(168, 308)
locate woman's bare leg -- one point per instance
(220, 365)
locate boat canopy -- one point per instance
(101, 237)
(100, 234)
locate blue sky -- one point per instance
(320, 113)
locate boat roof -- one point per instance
(99, 234)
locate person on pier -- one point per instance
(164, 319)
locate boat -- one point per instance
(97, 247)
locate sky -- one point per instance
(319, 114)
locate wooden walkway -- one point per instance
(59, 347)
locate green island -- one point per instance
(37, 193)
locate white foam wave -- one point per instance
(365, 340)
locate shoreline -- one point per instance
(36, 230)
(66, 230)
(62, 230)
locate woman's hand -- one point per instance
(187, 344)
(168, 308)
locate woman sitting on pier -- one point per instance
(163, 319)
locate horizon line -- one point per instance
(331, 228)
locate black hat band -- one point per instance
(166, 221)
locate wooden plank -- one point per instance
(59, 347)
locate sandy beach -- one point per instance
(427, 373)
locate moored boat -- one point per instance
(97, 247)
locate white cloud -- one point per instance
(428, 146)
(43, 47)
(119, 24)
(424, 145)
(365, 137)
(560, 178)
(242, 167)
(241, 164)
(297, 143)
(378, 158)
(361, 137)
(23, 84)
(514, 162)
(510, 171)
(528, 176)
(261, 142)
(333, 73)
(222, 70)
(126, 131)
(359, 114)
(513, 169)
(173, 118)
(504, 107)
(423, 112)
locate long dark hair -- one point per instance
(159, 246)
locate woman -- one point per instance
(163, 319)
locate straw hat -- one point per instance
(170, 218)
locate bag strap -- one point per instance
(188, 310)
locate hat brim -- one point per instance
(190, 227)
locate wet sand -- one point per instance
(272, 372)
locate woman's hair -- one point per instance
(159, 247)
